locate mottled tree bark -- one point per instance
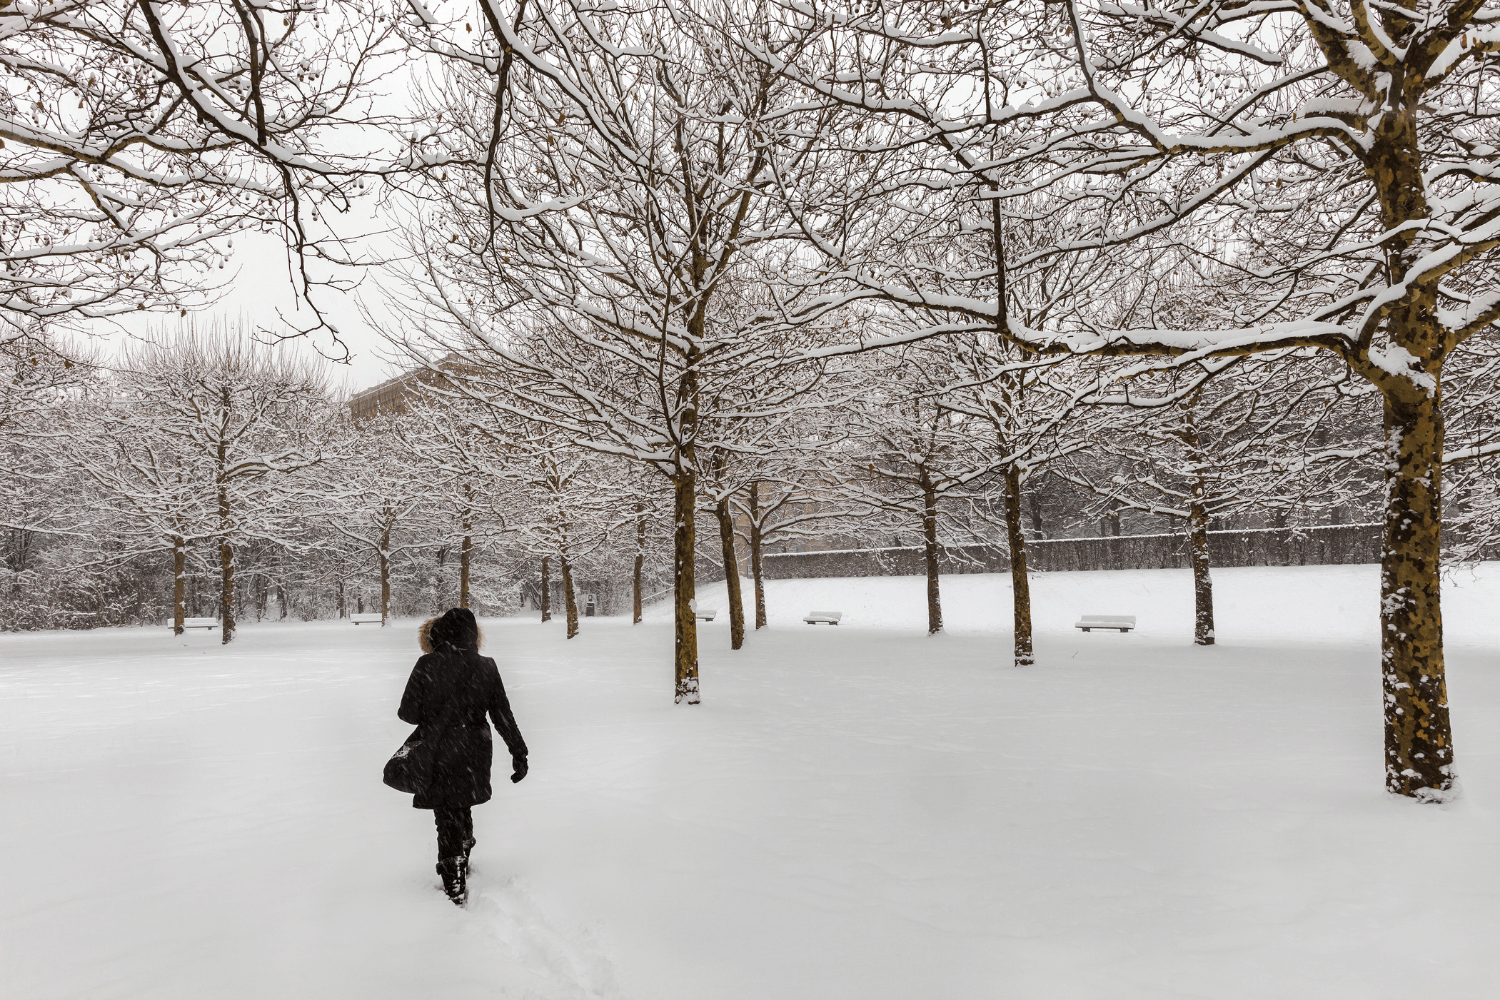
(570, 599)
(1019, 582)
(683, 584)
(546, 589)
(930, 550)
(179, 583)
(755, 550)
(1203, 584)
(684, 500)
(731, 574)
(1418, 733)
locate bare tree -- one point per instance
(1255, 436)
(578, 265)
(140, 137)
(909, 455)
(238, 413)
(1324, 170)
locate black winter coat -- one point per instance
(448, 695)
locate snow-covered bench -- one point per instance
(702, 614)
(200, 623)
(368, 619)
(1122, 622)
(831, 617)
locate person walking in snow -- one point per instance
(451, 690)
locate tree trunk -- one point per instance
(731, 574)
(546, 589)
(226, 525)
(755, 550)
(1418, 735)
(640, 560)
(226, 565)
(683, 593)
(385, 575)
(1203, 584)
(1034, 501)
(930, 548)
(463, 564)
(226, 589)
(1020, 584)
(338, 590)
(570, 600)
(179, 583)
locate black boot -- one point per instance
(454, 872)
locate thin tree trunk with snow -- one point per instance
(930, 551)
(685, 651)
(1203, 584)
(731, 574)
(226, 590)
(179, 583)
(226, 548)
(640, 561)
(465, 557)
(546, 589)
(385, 576)
(570, 600)
(755, 550)
(226, 570)
(1020, 583)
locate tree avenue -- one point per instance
(597, 257)
(1325, 171)
(834, 274)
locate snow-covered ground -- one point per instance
(853, 812)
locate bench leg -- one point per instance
(1088, 630)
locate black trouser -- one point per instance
(455, 828)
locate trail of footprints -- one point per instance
(568, 965)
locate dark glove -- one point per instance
(518, 768)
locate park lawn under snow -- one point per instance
(853, 812)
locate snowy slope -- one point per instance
(860, 812)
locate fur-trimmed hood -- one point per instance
(455, 627)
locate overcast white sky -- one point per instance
(260, 285)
